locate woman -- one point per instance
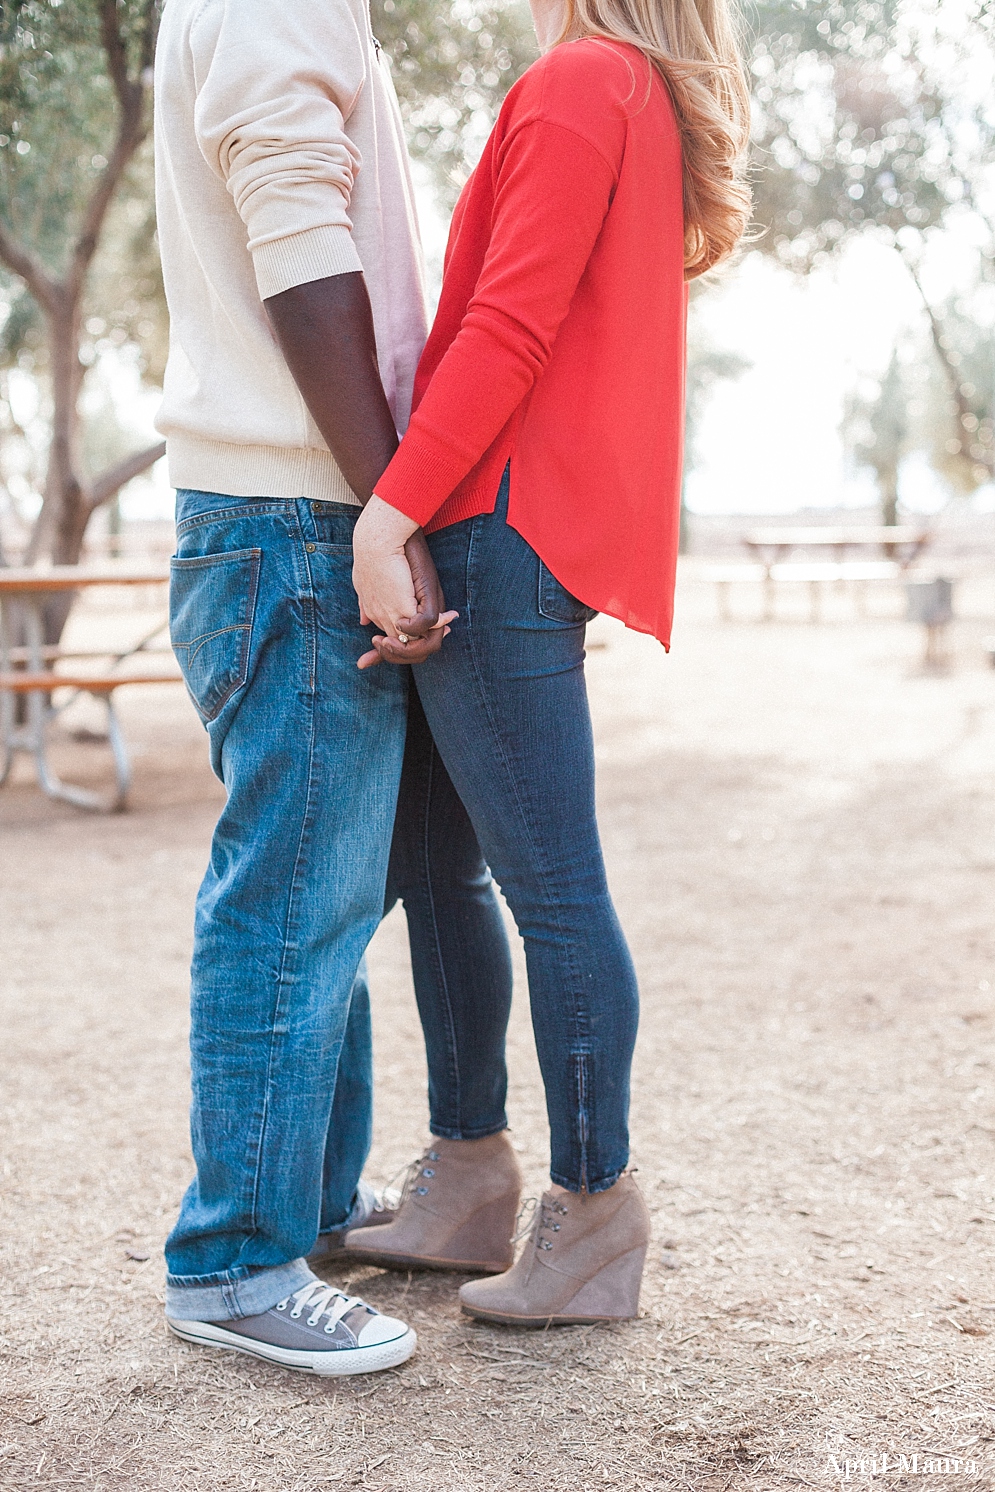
(543, 460)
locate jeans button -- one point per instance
(309, 548)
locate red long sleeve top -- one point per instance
(559, 343)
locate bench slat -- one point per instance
(845, 570)
(55, 654)
(31, 683)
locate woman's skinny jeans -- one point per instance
(506, 704)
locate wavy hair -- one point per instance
(694, 47)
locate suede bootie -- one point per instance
(583, 1262)
(458, 1211)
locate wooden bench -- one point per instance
(31, 735)
(30, 674)
(902, 543)
(47, 683)
(816, 576)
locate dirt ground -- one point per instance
(800, 828)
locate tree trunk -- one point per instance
(71, 509)
(888, 487)
(684, 531)
(65, 510)
(68, 501)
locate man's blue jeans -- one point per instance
(265, 624)
(506, 703)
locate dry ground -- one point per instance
(800, 826)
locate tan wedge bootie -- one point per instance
(458, 1211)
(583, 1262)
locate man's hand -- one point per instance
(397, 586)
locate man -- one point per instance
(293, 276)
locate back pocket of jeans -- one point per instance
(212, 603)
(556, 602)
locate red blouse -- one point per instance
(559, 342)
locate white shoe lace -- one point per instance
(324, 1300)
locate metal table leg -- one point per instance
(32, 736)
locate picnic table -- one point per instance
(33, 671)
(901, 543)
(895, 546)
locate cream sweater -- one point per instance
(280, 159)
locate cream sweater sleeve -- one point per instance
(276, 84)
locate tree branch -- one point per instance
(21, 261)
(961, 402)
(131, 132)
(150, 27)
(116, 53)
(110, 482)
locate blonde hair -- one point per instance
(693, 45)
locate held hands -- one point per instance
(397, 586)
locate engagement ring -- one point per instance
(403, 637)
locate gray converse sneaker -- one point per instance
(340, 1335)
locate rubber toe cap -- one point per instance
(381, 1329)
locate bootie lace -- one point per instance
(324, 1300)
(414, 1177)
(525, 1221)
(539, 1216)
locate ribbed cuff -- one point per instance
(312, 255)
(255, 471)
(421, 476)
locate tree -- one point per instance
(869, 117)
(452, 67)
(75, 82)
(962, 443)
(876, 431)
(77, 225)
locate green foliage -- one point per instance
(57, 117)
(869, 116)
(452, 65)
(857, 124)
(58, 121)
(126, 303)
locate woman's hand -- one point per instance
(397, 586)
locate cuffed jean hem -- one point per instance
(229, 1300)
(468, 1134)
(603, 1184)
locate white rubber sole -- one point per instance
(341, 1363)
